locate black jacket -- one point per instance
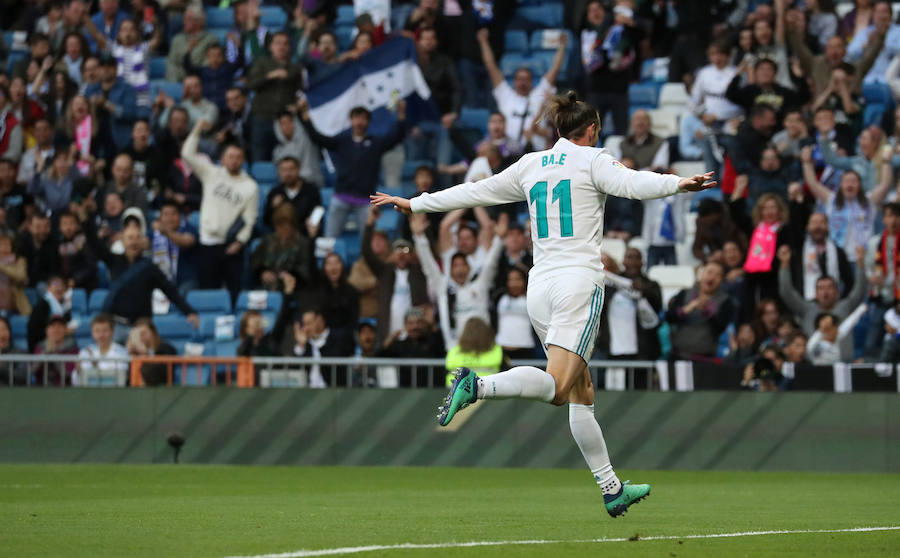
(42, 262)
(304, 202)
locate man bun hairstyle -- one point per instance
(570, 116)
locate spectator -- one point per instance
(466, 242)
(55, 342)
(763, 375)
(795, 349)
(839, 136)
(90, 73)
(850, 210)
(110, 220)
(460, 296)
(883, 269)
(284, 251)
(234, 123)
(337, 299)
(276, 80)
(73, 16)
(714, 228)
(11, 373)
(417, 339)
(81, 128)
(819, 67)
(699, 315)
(845, 103)
(629, 322)
(26, 109)
(35, 158)
(883, 26)
(304, 198)
(476, 350)
(648, 151)
(115, 103)
(78, 265)
(227, 213)
(733, 258)
(401, 283)
(293, 141)
(133, 278)
(364, 281)
(38, 50)
(365, 348)
(516, 253)
(173, 242)
(609, 53)
(742, 346)
(439, 71)
(123, 183)
(39, 250)
(890, 352)
(183, 185)
(314, 339)
(144, 341)
(793, 137)
(197, 107)
(320, 55)
(14, 207)
(761, 88)
(60, 92)
(247, 35)
(149, 166)
(864, 163)
(52, 188)
(102, 371)
(822, 24)
(11, 139)
(357, 157)
(522, 102)
(827, 297)
(254, 339)
(514, 331)
(819, 256)
(133, 57)
(217, 76)
(753, 136)
(194, 42)
(152, 19)
(824, 345)
(765, 323)
(768, 228)
(708, 102)
(13, 279)
(105, 22)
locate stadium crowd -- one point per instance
(152, 151)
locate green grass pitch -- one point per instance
(211, 511)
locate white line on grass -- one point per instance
(414, 546)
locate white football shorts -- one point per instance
(565, 311)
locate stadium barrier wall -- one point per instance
(721, 430)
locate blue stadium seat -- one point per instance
(511, 63)
(227, 348)
(344, 36)
(174, 326)
(95, 302)
(273, 302)
(176, 25)
(346, 15)
(208, 326)
(220, 34)
(264, 171)
(79, 301)
(340, 248)
(388, 222)
(643, 95)
(18, 326)
(32, 296)
(352, 248)
(475, 118)
(549, 15)
(217, 18)
(157, 67)
(273, 17)
(516, 41)
(172, 89)
(102, 275)
(210, 301)
(84, 328)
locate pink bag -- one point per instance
(761, 253)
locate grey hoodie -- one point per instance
(303, 149)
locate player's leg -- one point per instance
(617, 496)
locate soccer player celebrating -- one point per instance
(566, 188)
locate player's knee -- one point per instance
(561, 397)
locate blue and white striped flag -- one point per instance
(375, 82)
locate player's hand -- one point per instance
(697, 182)
(400, 204)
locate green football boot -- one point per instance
(463, 392)
(618, 504)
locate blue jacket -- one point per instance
(126, 111)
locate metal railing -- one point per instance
(355, 372)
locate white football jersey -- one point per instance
(565, 188)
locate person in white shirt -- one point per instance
(566, 188)
(708, 100)
(521, 102)
(882, 17)
(454, 237)
(36, 157)
(824, 345)
(513, 327)
(227, 212)
(460, 295)
(94, 368)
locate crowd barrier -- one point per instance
(366, 373)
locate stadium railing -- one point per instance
(373, 373)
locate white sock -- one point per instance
(525, 382)
(590, 441)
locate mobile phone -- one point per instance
(316, 216)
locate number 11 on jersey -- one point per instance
(562, 193)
